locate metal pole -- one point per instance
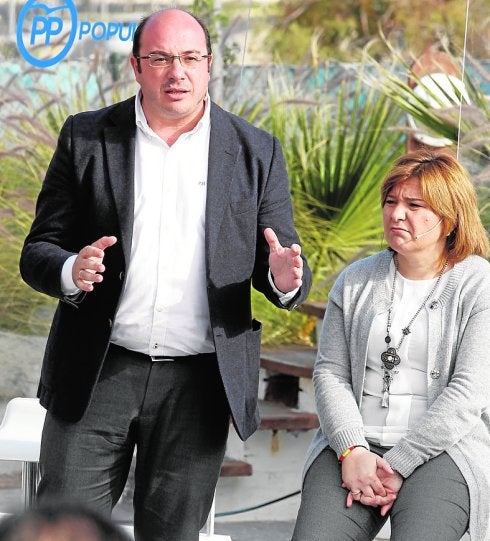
(11, 23)
(210, 520)
(30, 479)
(217, 68)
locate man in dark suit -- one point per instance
(155, 217)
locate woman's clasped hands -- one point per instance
(370, 480)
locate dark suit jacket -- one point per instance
(88, 193)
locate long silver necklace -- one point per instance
(390, 358)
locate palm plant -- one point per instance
(31, 118)
(23, 309)
(337, 153)
(28, 140)
(465, 125)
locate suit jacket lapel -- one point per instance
(120, 147)
(223, 151)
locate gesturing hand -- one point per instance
(88, 266)
(285, 264)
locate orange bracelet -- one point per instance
(346, 452)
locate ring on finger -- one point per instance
(355, 492)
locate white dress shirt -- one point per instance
(164, 307)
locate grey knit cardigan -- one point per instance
(458, 374)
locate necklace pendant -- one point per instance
(390, 359)
(387, 379)
(385, 402)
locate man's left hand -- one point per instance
(285, 264)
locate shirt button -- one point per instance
(435, 374)
(155, 346)
(121, 276)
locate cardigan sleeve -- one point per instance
(337, 408)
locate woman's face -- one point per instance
(410, 225)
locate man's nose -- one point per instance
(176, 65)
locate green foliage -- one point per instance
(331, 26)
(342, 30)
(337, 153)
(216, 21)
(19, 184)
(339, 150)
(30, 122)
(484, 201)
(31, 117)
(441, 120)
(467, 127)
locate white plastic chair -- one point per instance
(210, 535)
(20, 440)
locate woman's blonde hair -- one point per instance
(447, 188)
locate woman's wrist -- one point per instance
(347, 452)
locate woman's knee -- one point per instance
(323, 515)
(433, 503)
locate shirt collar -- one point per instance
(142, 123)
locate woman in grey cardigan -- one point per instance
(402, 378)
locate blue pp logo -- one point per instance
(42, 28)
(46, 31)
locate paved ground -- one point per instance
(239, 530)
(242, 530)
(257, 531)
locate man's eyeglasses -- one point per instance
(159, 60)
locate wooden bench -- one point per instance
(314, 308)
(297, 361)
(285, 365)
(232, 467)
(279, 417)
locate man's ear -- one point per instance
(135, 64)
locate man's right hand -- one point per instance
(88, 268)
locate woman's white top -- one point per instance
(408, 390)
